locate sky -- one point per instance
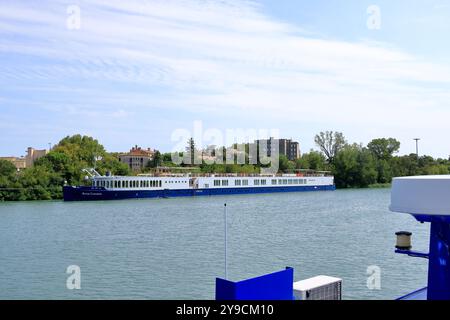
(137, 72)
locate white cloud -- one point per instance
(211, 56)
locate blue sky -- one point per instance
(136, 71)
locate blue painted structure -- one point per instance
(274, 286)
(427, 199)
(420, 294)
(99, 193)
(438, 259)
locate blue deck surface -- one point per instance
(420, 294)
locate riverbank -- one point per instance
(380, 186)
(352, 165)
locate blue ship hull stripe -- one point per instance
(91, 193)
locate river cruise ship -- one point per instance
(183, 185)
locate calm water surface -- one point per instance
(174, 248)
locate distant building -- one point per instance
(138, 158)
(19, 163)
(289, 148)
(33, 155)
(286, 147)
(28, 160)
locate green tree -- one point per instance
(284, 164)
(383, 149)
(354, 166)
(39, 183)
(330, 143)
(110, 163)
(82, 149)
(436, 169)
(190, 151)
(167, 157)
(74, 153)
(7, 169)
(405, 165)
(313, 160)
(157, 159)
(8, 173)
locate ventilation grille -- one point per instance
(318, 288)
(328, 292)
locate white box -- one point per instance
(318, 288)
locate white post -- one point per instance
(225, 218)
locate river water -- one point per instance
(174, 248)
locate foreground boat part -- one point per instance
(318, 288)
(427, 199)
(280, 286)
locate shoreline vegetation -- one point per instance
(380, 186)
(353, 165)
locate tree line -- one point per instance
(353, 165)
(63, 164)
(358, 166)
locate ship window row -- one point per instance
(274, 182)
(241, 182)
(118, 184)
(288, 181)
(261, 182)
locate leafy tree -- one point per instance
(7, 178)
(83, 149)
(110, 163)
(313, 160)
(190, 151)
(38, 183)
(405, 165)
(354, 166)
(436, 169)
(384, 171)
(330, 143)
(157, 159)
(167, 157)
(72, 154)
(7, 169)
(383, 149)
(284, 164)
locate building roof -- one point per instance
(138, 151)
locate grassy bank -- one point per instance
(380, 185)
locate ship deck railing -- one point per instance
(239, 175)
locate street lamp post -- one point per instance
(417, 147)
